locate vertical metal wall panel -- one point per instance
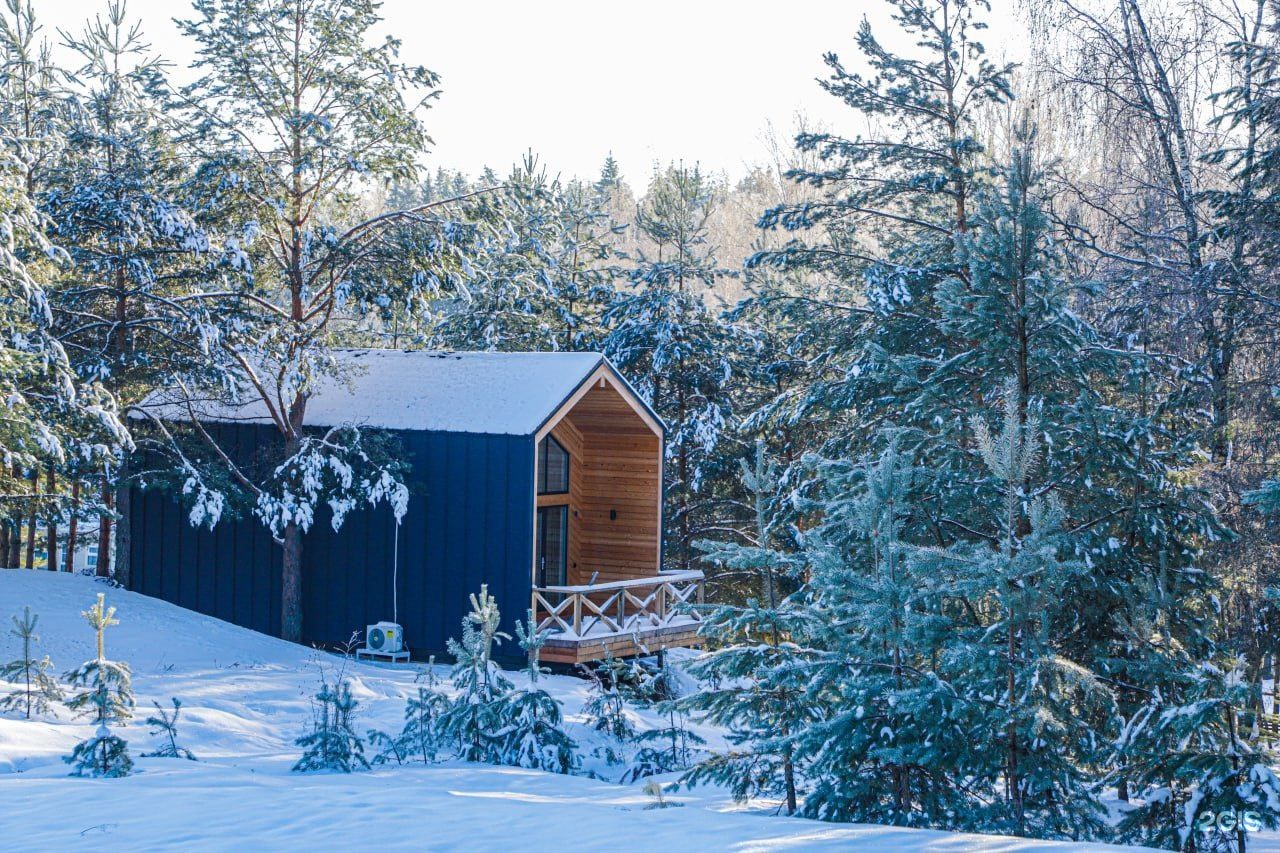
(469, 521)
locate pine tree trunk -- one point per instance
(789, 779)
(14, 525)
(124, 532)
(72, 525)
(13, 558)
(104, 529)
(1013, 783)
(4, 542)
(1275, 683)
(31, 522)
(291, 585)
(51, 524)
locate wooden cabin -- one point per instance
(536, 474)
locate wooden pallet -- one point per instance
(392, 657)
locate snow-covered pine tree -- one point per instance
(531, 734)
(332, 745)
(115, 199)
(663, 334)
(542, 280)
(472, 721)
(36, 691)
(289, 164)
(1192, 760)
(890, 744)
(50, 415)
(1032, 713)
(106, 697)
(754, 680)
(164, 725)
(880, 236)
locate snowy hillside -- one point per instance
(246, 698)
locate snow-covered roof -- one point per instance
(477, 392)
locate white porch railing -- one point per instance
(618, 607)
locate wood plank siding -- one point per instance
(615, 487)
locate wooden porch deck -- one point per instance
(623, 618)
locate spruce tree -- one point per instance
(36, 692)
(332, 745)
(106, 697)
(890, 744)
(754, 680)
(1033, 712)
(664, 334)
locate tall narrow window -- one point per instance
(553, 468)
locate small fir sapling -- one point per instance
(531, 734)
(670, 747)
(164, 725)
(332, 744)
(605, 708)
(421, 738)
(470, 720)
(654, 789)
(106, 695)
(36, 692)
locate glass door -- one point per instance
(553, 545)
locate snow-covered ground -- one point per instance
(246, 698)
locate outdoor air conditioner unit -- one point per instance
(384, 638)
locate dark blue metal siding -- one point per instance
(469, 521)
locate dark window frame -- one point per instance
(544, 447)
(561, 511)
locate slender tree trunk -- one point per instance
(12, 555)
(31, 522)
(789, 779)
(1275, 682)
(51, 523)
(124, 531)
(291, 585)
(291, 558)
(5, 528)
(72, 524)
(104, 528)
(1013, 782)
(13, 559)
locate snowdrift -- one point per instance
(246, 698)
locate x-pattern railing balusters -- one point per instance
(624, 606)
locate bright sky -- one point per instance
(650, 80)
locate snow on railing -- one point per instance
(618, 607)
